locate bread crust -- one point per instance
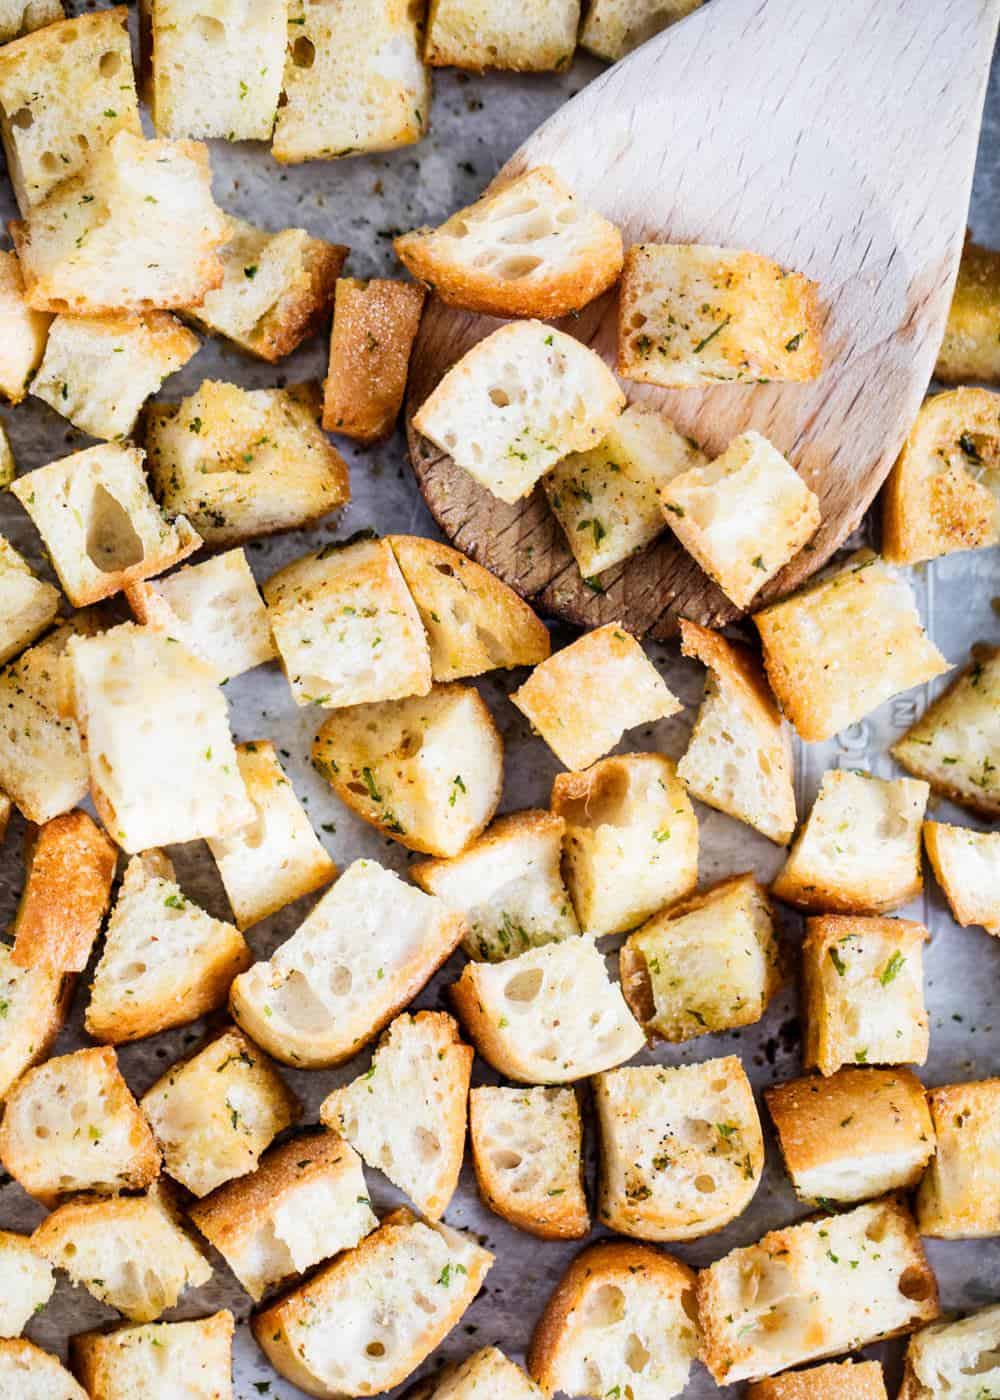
(970, 349)
(957, 1197)
(840, 1380)
(491, 35)
(70, 866)
(17, 1354)
(101, 1359)
(374, 326)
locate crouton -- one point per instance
(277, 289)
(583, 699)
(631, 842)
(861, 1133)
(863, 984)
(822, 678)
(966, 865)
(70, 865)
(72, 1124)
(33, 1005)
(374, 326)
(27, 604)
(354, 80)
(26, 1284)
(527, 1151)
(361, 955)
(548, 1016)
(616, 1306)
(22, 343)
(838, 1380)
(508, 885)
(859, 849)
(428, 770)
(517, 402)
(613, 28)
(346, 628)
(8, 467)
(135, 1361)
(98, 371)
(682, 1151)
(241, 463)
(710, 963)
(958, 1199)
(970, 348)
(525, 248)
(306, 1202)
(91, 246)
(955, 745)
(403, 1288)
(28, 1373)
(486, 1371)
(19, 17)
(534, 38)
(957, 1357)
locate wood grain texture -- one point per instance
(837, 140)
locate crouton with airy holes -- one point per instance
(374, 326)
(28, 1373)
(550, 1016)
(859, 849)
(96, 245)
(508, 885)
(958, 1358)
(381, 1309)
(966, 865)
(354, 81)
(362, 954)
(33, 1004)
(191, 1358)
(98, 371)
(27, 604)
(839, 1380)
(26, 1284)
(19, 17)
(527, 1151)
(130, 1252)
(863, 988)
(970, 348)
(710, 963)
(487, 1371)
(242, 463)
(823, 680)
(518, 402)
(306, 1202)
(955, 745)
(406, 1115)
(481, 34)
(22, 343)
(620, 1321)
(71, 1124)
(525, 248)
(613, 28)
(958, 1198)
(346, 628)
(861, 1133)
(682, 1151)
(427, 770)
(69, 867)
(631, 841)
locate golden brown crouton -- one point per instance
(374, 326)
(971, 345)
(70, 866)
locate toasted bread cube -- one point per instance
(19, 17)
(838, 1380)
(710, 963)
(28, 1373)
(493, 34)
(967, 867)
(22, 342)
(33, 1005)
(613, 28)
(970, 348)
(27, 604)
(428, 770)
(631, 843)
(374, 326)
(958, 1197)
(682, 1152)
(861, 1133)
(306, 1202)
(864, 992)
(487, 1371)
(822, 678)
(518, 402)
(955, 745)
(346, 628)
(65, 91)
(354, 80)
(550, 1016)
(26, 1283)
(617, 1303)
(72, 1124)
(524, 249)
(508, 885)
(362, 954)
(957, 1358)
(859, 849)
(70, 865)
(406, 1114)
(193, 1358)
(8, 467)
(527, 1151)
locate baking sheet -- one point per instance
(477, 122)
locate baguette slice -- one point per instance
(193, 1358)
(970, 349)
(18, 17)
(956, 1358)
(967, 867)
(838, 1380)
(493, 34)
(374, 326)
(26, 1283)
(957, 1199)
(70, 867)
(33, 1005)
(486, 1372)
(613, 28)
(24, 331)
(28, 1373)
(28, 605)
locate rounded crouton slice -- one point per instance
(958, 1357)
(26, 1283)
(130, 1363)
(840, 1380)
(28, 1373)
(967, 867)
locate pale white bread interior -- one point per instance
(823, 680)
(306, 1202)
(487, 1373)
(34, 1002)
(352, 83)
(363, 953)
(966, 865)
(527, 1151)
(99, 523)
(22, 343)
(682, 1152)
(549, 1016)
(98, 371)
(859, 848)
(954, 1360)
(519, 401)
(480, 34)
(406, 1114)
(366, 1321)
(613, 28)
(26, 1283)
(970, 346)
(826, 1286)
(956, 1199)
(28, 1373)
(375, 323)
(631, 842)
(525, 248)
(583, 698)
(427, 770)
(193, 1359)
(19, 17)
(27, 604)
(508, 885)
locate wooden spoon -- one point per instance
(838, 139)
